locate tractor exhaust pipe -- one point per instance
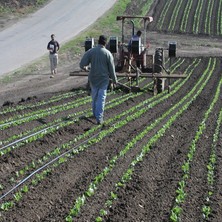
(133, 29)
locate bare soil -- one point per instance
(151, 192)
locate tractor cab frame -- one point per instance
(133, 53)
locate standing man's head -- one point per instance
(102, 40)
(53, 36)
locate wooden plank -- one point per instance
(79, 73)
(151, 75)
(142, 75)
(158, 75)
(121, 17)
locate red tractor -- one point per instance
(133, 53)
(132, 59)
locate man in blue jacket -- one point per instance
(101, 71)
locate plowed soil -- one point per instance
(43, 118)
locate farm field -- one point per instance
(156, 158)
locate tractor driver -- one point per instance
(134, 37)
(137, 57)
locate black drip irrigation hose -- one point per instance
(44, 166)
(24, 138)
(45, 129)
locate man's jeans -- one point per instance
(98, 102)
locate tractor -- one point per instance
(132, 58)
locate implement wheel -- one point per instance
(158, 67)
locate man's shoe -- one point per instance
(99, 122)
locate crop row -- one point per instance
(111, 129)
(211, 167)
(39, 132)
(181, 194)
(116, 126)
(186, 101)
(53, 99)
(142, 108)
(18, 140)
(198, 17)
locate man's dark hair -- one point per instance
(139, 33)
(102, 40)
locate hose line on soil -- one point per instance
(44, 166)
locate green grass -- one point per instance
(4, 9)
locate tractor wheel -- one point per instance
(158, 64)
(158, 60)
(160, 85)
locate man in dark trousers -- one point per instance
(101, 71)
(53, 47)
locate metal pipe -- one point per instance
(133, 29)
(123, 31)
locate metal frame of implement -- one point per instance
(137, 72)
